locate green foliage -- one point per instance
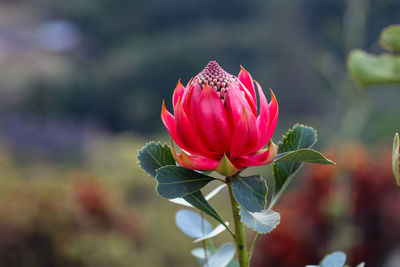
(303, 155)
(153, 156)
(262, 222)
(176, 181)
(197, 200)
(335, 259)
(298, 137)
(250, 192)
(395, 158)
(368, 70)
(390, 38)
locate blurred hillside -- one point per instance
(102, 64)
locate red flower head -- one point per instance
(217, 124)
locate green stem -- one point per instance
(240, 237)
(253, 245)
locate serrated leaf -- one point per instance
(192, 224)
(197, 200)
(390, 38)
(176, 181)
(250, 192)
(396, 158)
(153, 156)
(303, 155)
(335, 259)
(298, 137)
(262, 222)
(222, 256)
(369, 70)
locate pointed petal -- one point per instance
(247, 81)
(235, 103)
(178, 93)
(274, 113)
(259, 158)
(178, 156)
(273, 105)
(193, 162)
(245, 138)
(191, 98)
(186, 134)
(213, 121)
(169, 122)
(190, 103)
(263, 120)
(225, 167)
(198, 163)
(249, 98)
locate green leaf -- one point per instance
(262, 222)
(390, 38)
(303, 155)
(335, 259)
(298, 137)
(197, 200)
(153, 156)
(176, 181)
(395, 158)
(250, 192)
(368, 70)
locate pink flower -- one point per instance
(217, 124)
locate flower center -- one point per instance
(216, 77)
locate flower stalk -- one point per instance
(240, 237)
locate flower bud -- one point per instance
(217, 124)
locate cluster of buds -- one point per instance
(216, 77)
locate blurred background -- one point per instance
(82, 84)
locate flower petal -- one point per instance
(245, 138)
(169, 122)
(193, 162)
(263, 120)
(178, 93)
(249, 98)
(245, 78)
(213, 121)
(274, 113)
(235, 103)
(259, 158)
(198, 163)
(186, 134)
